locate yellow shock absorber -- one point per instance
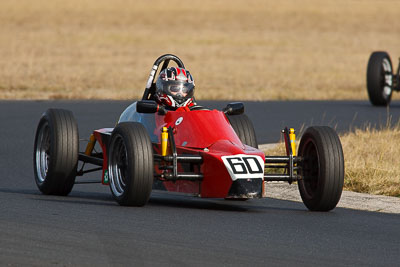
(164, 141)
(90, 145)
(292, 138)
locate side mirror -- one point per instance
(235, 108)
(149, 106)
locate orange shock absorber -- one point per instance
(164, 141)
(292, 138)
(90, 145)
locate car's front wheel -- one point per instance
(322, 168)
(130, 164)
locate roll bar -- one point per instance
(150, 86)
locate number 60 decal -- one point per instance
(244, 166)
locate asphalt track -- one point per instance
(89, 228)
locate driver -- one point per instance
(175, 88)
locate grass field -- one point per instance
(248, 50)
(371, 160)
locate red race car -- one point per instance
(207, 153)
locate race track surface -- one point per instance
(88, 228)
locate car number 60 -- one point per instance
(244, 166)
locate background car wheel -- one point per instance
(55, 155)
(379, 79)
(322, 168)
(130, 164)
(244, 129)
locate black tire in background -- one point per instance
(322, 168)
(380, 79)
(244, 129)
(55, 155)
(130, 164)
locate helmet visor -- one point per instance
(178, 87)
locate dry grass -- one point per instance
(255, 49)
(372, 162)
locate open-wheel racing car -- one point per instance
(381, 80)
(207, 153)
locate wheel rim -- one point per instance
(117, 166)
(386, 78)
(42, 152)
(310, 168)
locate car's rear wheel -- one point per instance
(244, 129)
(322, 168)
(55, 155)
(130, 164)
(379, 79)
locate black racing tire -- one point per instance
(380, 79)
(55, 154)
(244, 129)
(198, 107)
(322, 168)
(130, 164)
